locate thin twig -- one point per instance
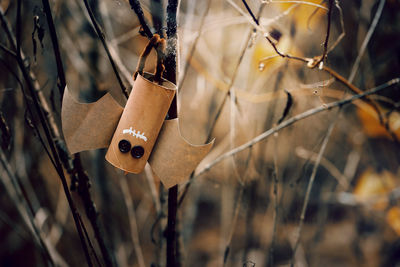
(89, 242)
(309, 187)
(275, 176)
(73, 164)
(18, 27)
(7, 50)
(234, 222)
(354, 89)
(234, 74)
(342, 180)
(294, 2)
(132, 220)
(193, 48)
(272, 43)
(22, 200)
(328, 30)
(367, 38)
(48, 134)
(35, 128)
(343, 33)
(238, 204)
(296, 118)
(312, 15)
(90, 207)
(220, 107)
(56, 48)
(315, 168)
(312, 63)
(101, 36)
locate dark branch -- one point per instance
(48, 135)
(135, 5)
(170, 74)
(56, 48)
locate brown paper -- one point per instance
(141, 122)
(173, 158)
(89, 125)
(100, 124)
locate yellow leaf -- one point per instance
(373, 187)
(393, 219)
(371, 125)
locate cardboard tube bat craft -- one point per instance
(135, 134)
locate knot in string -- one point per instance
(158, 44)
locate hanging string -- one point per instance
(159, 45)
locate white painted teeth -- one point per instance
(135, 134)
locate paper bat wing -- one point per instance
(173, 158)
(89, 126)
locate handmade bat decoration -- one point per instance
(137, 133)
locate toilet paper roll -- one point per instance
(140, 123)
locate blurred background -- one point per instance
(322, 192)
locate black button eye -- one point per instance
(124, 146)
(137, 152)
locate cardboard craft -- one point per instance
(141, 122)
(139, 126)
(174, 158)
(89, 126)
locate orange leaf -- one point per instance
(393, 219)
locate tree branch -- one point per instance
(135, 5)
(56, 48)
(100, 34)
(296, 118)
(49, 137)
(170, 74)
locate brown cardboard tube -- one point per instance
(89, 126)
(173, 158)
(140, 122)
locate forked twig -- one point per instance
(314, 62)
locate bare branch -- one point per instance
(101, 36)
(135, 5)
(296, 118)
(367, 38)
